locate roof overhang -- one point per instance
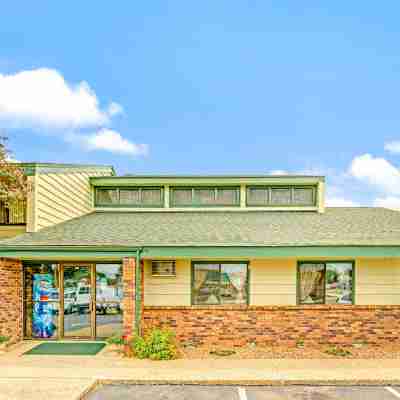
(86, 253)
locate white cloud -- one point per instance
(393, 147)
(377, 172)
(388, 202)
(42, 98)
(278, 172)
(110, 140)
(340, 202)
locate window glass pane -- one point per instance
(339, 283)
(151, 196)
(107, 196)
(303, 196)
(206, 284)
(129, 196)
(257, 196)
(311, 284)
(205, 196)
(280, 196)
(182, 196)
(227, 196)
(109, 295)
(233, 288)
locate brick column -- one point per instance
(11, 299)
(128, 273)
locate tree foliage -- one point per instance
(13, 184)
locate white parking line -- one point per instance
(393, 391)
(242, 393)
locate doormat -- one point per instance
(67, 349)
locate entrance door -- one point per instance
(78, 301)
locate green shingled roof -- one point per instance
(335, 227)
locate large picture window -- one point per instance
(219, 283)
(325, 282)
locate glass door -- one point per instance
(109, 293)
(78, 301)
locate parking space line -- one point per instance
(393, 391)
(242, 393)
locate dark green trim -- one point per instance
(32, 168)
(244, 262)
(195, 202)
(138, 294)
(221, 252)
(324, 262)
(119, 205)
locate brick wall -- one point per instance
(11, 292)
(235, 326)
(128, 273)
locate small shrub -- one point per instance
(300, 343)
(117, 340)
(4, 339)
(338, 351)
(157, 345)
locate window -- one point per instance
(219, 283)
(130, 197)
(163, 268)
(264, 196)
(205, 196)
(325, 282)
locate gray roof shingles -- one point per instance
(335, 227)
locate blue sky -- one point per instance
(209, 87)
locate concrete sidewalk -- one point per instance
(35, 377)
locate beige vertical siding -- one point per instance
(11, 231)
(273, 282)
(61, 196)
(168, 291)
(377, 281)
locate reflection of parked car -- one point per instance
(69, 301)
(82, 301)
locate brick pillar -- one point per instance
(11, 299)
(128, 273)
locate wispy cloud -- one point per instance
(393, 147)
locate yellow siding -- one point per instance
(11, 231)
(168, 291)
(273, 282)
(377, 281)
(59, 197)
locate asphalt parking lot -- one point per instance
(197, 392)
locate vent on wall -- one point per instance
(163, 268)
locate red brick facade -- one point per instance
(128, 273)
(11, 306)
(235, 326)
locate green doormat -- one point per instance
(67, 349)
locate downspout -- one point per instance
(138, 292)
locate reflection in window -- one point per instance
(42, 297)
(326, 283)
(220, 283)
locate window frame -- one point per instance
(192, 280)
(195, 204)
(290, 187)
(353, 286)
(119, 205)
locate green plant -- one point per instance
(159, 344)
(4, 339)
(300, 343)
(338, 351)
(116, 340)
